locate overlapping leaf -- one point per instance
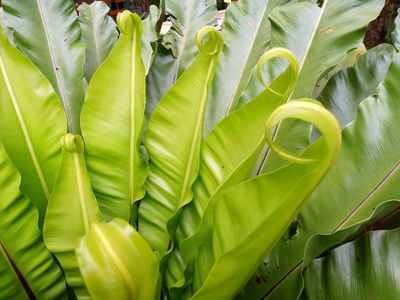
(112, 124)
(99, 33)
(31, 124)
(187, 17)
(48, 33)
(365, 175)
(174, 150)
(71, 211)
(366, 268)
(27, 268)
(255, 226)
(222, 166)
(246, 33)
(150, 36)
(117, 263)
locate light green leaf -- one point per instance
(71, 211)
(222, 167)
(99, 33)
(246, 34)
(272, 201)
(369, 155)
(117, 263)
(112, 124)
(364, 269)
(175, 158)
(31, 124)
(48, 33)
(27, 268)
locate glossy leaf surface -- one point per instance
(117, 263)
(31, 124)
(369, 155)
(246, 31)
(99, 33)
(71, 210)
(356, 83)
(173, 139)
(255, 225)
(26, 266)
(48, 33)
(222, 166)
(112, 124)
(366, 268)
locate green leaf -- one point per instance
(222, 167)
(246, 34)
(99, 33)
(112, 124)
(117, 263)
(150, 37)
(32, 122)
(175, 158)
(356, 83)
(159, 79)
(187, 17)
(319, 37)
(48, 33)
(369, 155)
(395, 35)
(71, 211)
(272, 201)
(27, 268)
(366, 268)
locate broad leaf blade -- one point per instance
(395, 35)
(32, 122)
(27, 268)
(356, 83)
(99, 33)
(246, 34)
(173, 138)
(117, 263)
(362, 269)
(273, 200)
(369, 155)
(114, 109)
(71, 210)
(48, 33)
(222, 166)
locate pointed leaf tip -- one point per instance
(129, 22)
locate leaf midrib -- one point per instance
(96, 43)
(233, 95)
(301, 64)
(338, 227)
(198, 128)
(51, 52)
(17, 272)
(24, 129)
(126, 277)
